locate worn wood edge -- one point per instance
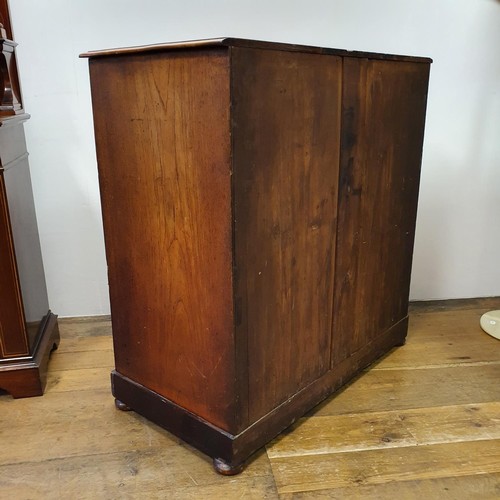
(31, 369)
(194, 430)
(236, 449)
(188, 44)
(257, 44)
(486, 303)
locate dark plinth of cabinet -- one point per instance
(259, 206)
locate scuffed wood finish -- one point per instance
(416, 386)
(383, 114)
(341, 470)
(475, 486)
(162, 135)
(391, 429)
(286, 118)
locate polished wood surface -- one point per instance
(165, 182)
(258, 200)
(285, 211)
(384, 436)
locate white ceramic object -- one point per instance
(490, 323)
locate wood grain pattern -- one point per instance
(383, 114)
(448, 306)
(338, 470)
(80, 379)
(98, 358)
(345, 433)
(286, 118)
(166, 194)
(97, 327)
(376, 390)
(401, 441)
(152, 471)
(475, 486)
(102, 342)
(435, 355)
(388, 429)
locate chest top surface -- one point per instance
(257, 44)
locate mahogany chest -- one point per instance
(259, 204)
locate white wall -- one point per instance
(458, 236)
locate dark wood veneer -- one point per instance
(259, 205)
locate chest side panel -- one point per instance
(162, 135)
(286, 132)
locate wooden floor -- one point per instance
(423, 423)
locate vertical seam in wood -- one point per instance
(336, 226)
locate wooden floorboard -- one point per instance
(423, 422)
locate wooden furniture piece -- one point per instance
(28, 330)
(259, 205)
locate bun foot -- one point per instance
(122, 406)
(226, 469)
